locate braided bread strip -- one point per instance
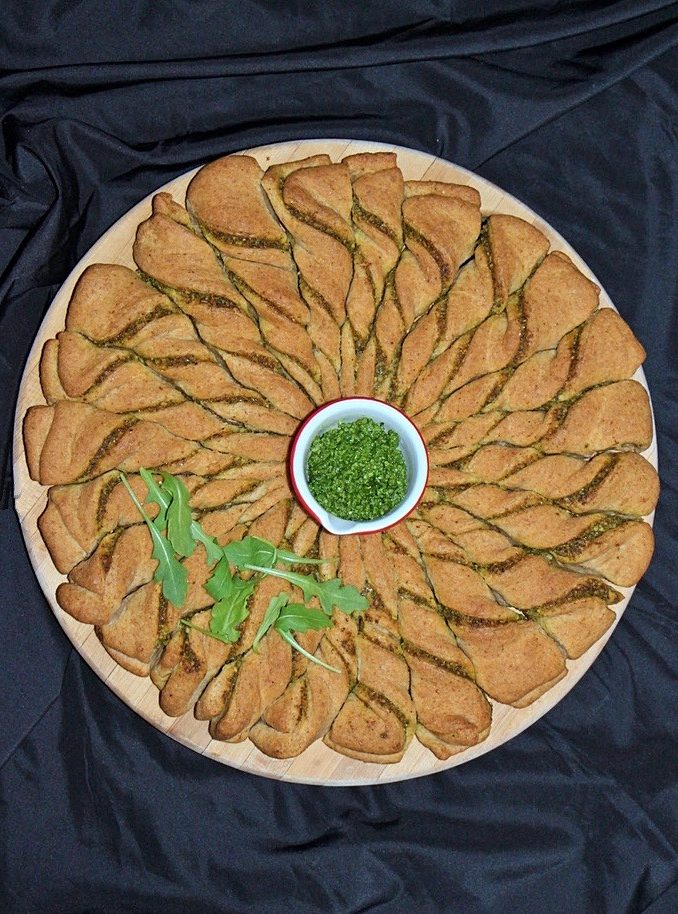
(452, 712)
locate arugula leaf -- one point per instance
(179, 518)
(170, 572)
(219, 581)
(344, 597)
(162, 498)
(270, 616)
(251, 550)
(231, 595)
(231, 612)
(203, 631)
(295, 617)
(285, 556)
(212, 547)
(156, 494)
(254, 550)
(288, 617)
(330, 593)
(297, 647)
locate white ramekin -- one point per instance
(348, 410)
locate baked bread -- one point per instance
(269, 293)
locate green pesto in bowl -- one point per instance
(356, 470)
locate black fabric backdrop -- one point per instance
(571, 106)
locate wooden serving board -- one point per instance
(318, 764)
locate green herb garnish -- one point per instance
(330, 593)
(170, 572)
(212, 547)
(230, 610)
(286, 618)
(220, 579)
(156, 494)
(295, 617)
(286, 636)
(291, 559)
(229, 613)
(357, 471)
(179, 518)
(270, 616)
(163, 498)
(252, 550)
(174, 531)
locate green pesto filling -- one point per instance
(356, 471)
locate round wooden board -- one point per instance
(318, 764)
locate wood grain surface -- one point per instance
(318, 764)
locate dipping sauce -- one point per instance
(356, 470)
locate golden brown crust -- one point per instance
(227, 198)
(556, 298)
(515, 248)
(97, 586)
(612, 417)
(377, 720)
(78, 442)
